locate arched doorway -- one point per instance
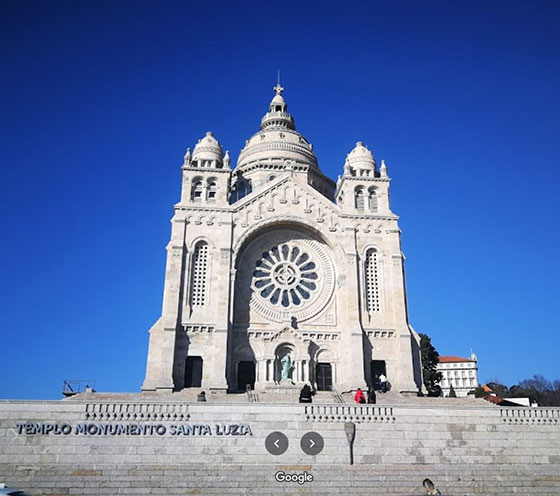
(377, 368)
(323, 376)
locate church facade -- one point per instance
(276, 275)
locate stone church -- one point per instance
(273, 259)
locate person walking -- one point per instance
(371, 399)
(359, 396)
(383, 381)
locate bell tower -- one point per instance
(206, 174)
(363, 189)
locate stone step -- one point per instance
(259, 479)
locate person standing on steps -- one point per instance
(371, 399)
(383, 381)
(359, 396)
(305, 394)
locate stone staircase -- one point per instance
(399, 480)
(465, 446)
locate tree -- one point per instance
(452, 393)
(498, 388)
(479, 392)
(430, 359)
(540, 390)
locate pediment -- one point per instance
(285, 196)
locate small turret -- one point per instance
(383, 169)
(188, 157)
(227, 159)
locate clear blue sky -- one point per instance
(100, 100)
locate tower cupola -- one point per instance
(207, 153)
(360, 159)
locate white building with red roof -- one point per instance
(461, 373)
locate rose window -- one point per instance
(285, 275)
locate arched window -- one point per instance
(212, 191)
(372, 281)
(359, 199)
(199, 275)
(241, 189)
(372, 200)
(197, 190)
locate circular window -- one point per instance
(285, 276)
(282, 274)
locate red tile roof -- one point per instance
(451, 359)
(493, 399)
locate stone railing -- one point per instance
(530, 415)
(137, 411)
(347, 413)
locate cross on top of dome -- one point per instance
(278, 88)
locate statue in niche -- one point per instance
(286, 367)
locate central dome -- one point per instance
(277, 139)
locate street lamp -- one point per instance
(350, 429)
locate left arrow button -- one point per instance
(276, 443)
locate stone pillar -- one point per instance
(352, 376)
(221, 263)
(161, 353)
(261, 372)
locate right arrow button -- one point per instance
(312, 443)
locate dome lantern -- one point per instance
(277, 138)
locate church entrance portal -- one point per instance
(193, 372)
(323, 374)
(245, 375)
(378, 367)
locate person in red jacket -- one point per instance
(359, 397)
